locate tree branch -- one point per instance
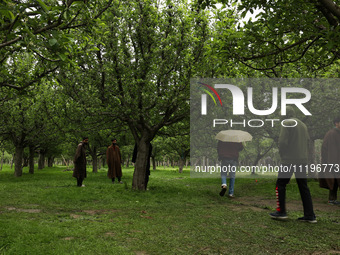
(10, 42)
(278, 51)
(5, 84)
(331, 6)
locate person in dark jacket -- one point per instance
(293, 149)
(79, 171)
(228, 153)
(330, 156)
(114, 159)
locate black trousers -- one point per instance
(119, 179)
(333, 193)
(146, 180)
(283, 179)
(80, 182)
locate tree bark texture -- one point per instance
(181, 165)
(50, 161)
(2, 160)
(19, 152)
(138, 182)
(31, 160)
(41, 161)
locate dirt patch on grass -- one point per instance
(259, 203)
(110, 234)
(68, 238)
(95, 212)
(327, 252)
(76, 216)
(23, 210)
(141, 253)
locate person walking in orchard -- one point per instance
(228, 153)
(79, 171)
(293, 149)
(114, 159)
(330, 157)
(228, 147)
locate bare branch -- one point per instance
(10, 42)
(5, 84)
(48, 59)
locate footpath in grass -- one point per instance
(45, 213)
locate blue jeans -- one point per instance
(228, 166)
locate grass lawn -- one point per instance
(45, 213)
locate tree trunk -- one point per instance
(311, 158)
(153, 162)
(256, 161)
(181, 164)
(2, 159)
(99, 163)
(94, 160)
(259, 156)
(128, 161)
(182, 159)
(31, 160)
(164, 161)
(64, 160)
(19, 152)
(50, 161)
(25, 159)
(41, 161)
(138, 182)
(12, 160)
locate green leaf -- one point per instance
(43, 5)
(8, 14)
(63, 57)
(52, 41)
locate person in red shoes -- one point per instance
(293, 149)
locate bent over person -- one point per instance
(114, 159)
(79, 171)
(293, 149)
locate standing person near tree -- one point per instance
(293, 149)
(79, 171)
(114, 159)
(330, 156)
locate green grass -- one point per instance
(45, 213)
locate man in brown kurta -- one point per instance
(330, 154)
(114, 159)
(79, 171)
